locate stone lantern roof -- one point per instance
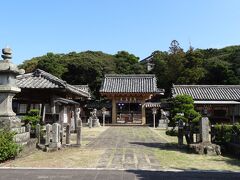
(6, 65)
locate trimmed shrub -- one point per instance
(172, 132)
(183, 104)
(227, 133)
(32, 117)
(8, 148)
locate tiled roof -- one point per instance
(84, 88)
(134, 83)
(43, 80)
(65, 101)
(209, 92)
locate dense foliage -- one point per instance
(227, 133)
(86, 67)
(183, 109)
(195, 66)
(32, 118)
(8, 148)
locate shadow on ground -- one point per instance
(164, 146)
(186, 175)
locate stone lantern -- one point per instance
(154, 112)
(104, 112)
(8, 89)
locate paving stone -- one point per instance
(125, 148)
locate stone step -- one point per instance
(22, 137)
(18, 130)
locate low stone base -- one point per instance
(162, 124)
(55, 145)
(8, 123)
(22, 138)
(95, 123)
(28, 148)
(19, 130)
(205, 148)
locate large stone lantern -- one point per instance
(8, 89)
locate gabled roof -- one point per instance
(209, 92)
(147, 59)
(130, 83)
(84, 88)
(40, 79)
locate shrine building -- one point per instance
(129, 93)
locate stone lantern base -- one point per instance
(8, 123)
(14, 124)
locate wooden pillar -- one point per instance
(43, 113)
(143, 111)
(75, 117)
(53, 108)
(114, 111)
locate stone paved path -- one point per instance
(128, 148)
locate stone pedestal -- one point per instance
(95, 122)
(162, 124)
(8, 89)
(205, 146)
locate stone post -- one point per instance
(204, 129)
(114, 111)
(55, 136)
(79, 132)
(79, 135)
(38, 133)
(143, 112)
(104, 114)
(68, 134)
(48, 134)
(28, 128)
(213, 134)
(180, 133)
(90, 122)
(154, 112)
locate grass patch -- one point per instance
(171, 157)
(177, 159)
(67, 157)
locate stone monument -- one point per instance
(205, 146)
(55, 144)
(93, 120)
(8, 89)
(163, 122)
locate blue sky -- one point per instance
(33, 28)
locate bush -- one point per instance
(183, 109)
(172, 132)
(32, 117)
(8, 148)
(225, 133)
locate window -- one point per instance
(22, 108)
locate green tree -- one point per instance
(183, 109)
(52, 64)
(32, 118)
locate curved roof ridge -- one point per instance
(205, 85)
